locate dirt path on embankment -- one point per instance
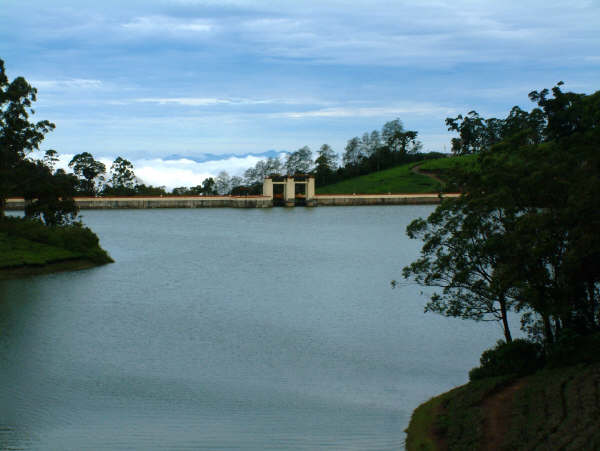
(416, 169)
(497, 413)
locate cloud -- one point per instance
(209, 101)
(162, 24)
(342, 112)
(72, 83)
(172, 173)
(202, 101)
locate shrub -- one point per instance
(571, 348)
(518, 357)
(74, 237)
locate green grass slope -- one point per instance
(442, 166)
(551, 409)
(403, 179)
(400, 179)
(16, 251)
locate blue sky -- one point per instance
(148, 79)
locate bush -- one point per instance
(518, 357)
(75, 237)
(571, 349)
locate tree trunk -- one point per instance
(505, 325)
(547, 328)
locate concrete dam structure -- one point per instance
(277, 191)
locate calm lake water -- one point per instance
(229, 329)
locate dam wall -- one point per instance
(332, 200)
(319, 200)
(92, 203)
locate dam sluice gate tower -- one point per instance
(290, 191)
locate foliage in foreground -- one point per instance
(551, 409)
(524, 235)
(455, 417)
(519, 357)
(32, 242)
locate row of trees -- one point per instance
(524, 235)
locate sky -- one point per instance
(165, 82)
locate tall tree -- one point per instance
(325, 164)
(90, 172)
(352, 152)
(543, 200)
(223, 183)
(122, 176)
(299, 162)
(18, 136)
(464, 254)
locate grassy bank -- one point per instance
(31, 247)
(400, 179)
(412, 178)
(551, 409)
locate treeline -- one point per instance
(523, 236)
(375, 151)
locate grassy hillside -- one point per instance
(551, 409)
(409, 178)
(442, 166)
(400, 179)
(31, 245)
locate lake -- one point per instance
(229, 329)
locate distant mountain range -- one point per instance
(201, 158)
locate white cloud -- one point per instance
(72, 83)
(209, 101)
(417, 108)
(171, 173)
(184, 172)
(201, 101)
(161, 24)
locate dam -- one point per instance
(277, 191)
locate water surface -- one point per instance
(229, 329)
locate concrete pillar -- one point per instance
(310, 188)
(289, 192)
(268, 188)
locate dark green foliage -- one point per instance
(556, 409)
(571, 349)
(551, 409)
(89, 171)
(519, 357)
(75, 237)
(462, 418)
(18, 136)
(531, 215)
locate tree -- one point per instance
(471, 129)
(122, 178)
(50, 159)
(89, 171)
(223, 183)
(18, 136)
(464, 254)
(527, 222)
(325, 164)
(208, 187)
(299, 162)
(399, 140)
(49, 195)
(352, 152)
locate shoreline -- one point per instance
(23, 271)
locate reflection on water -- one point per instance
(229, 329)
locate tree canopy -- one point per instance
(49, 192)
(528, 223)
